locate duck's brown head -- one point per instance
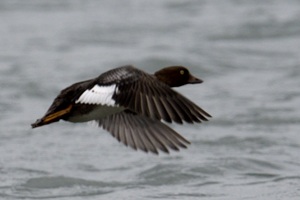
(176, 76)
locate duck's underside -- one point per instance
(136, 131)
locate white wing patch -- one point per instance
(100, 95)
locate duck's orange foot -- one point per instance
(50, 118)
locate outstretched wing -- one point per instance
(141, 132)
(145, 95)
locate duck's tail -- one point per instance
(51, 117)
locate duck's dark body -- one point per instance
(130, 103)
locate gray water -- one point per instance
(247, 53)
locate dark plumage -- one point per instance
(130, 104)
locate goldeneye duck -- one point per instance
(131, 104)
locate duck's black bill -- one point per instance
(194, 80)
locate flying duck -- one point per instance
(131, 104)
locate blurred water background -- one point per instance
(247, 53)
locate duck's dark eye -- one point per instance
(181, 72)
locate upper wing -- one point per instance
(144, 94)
